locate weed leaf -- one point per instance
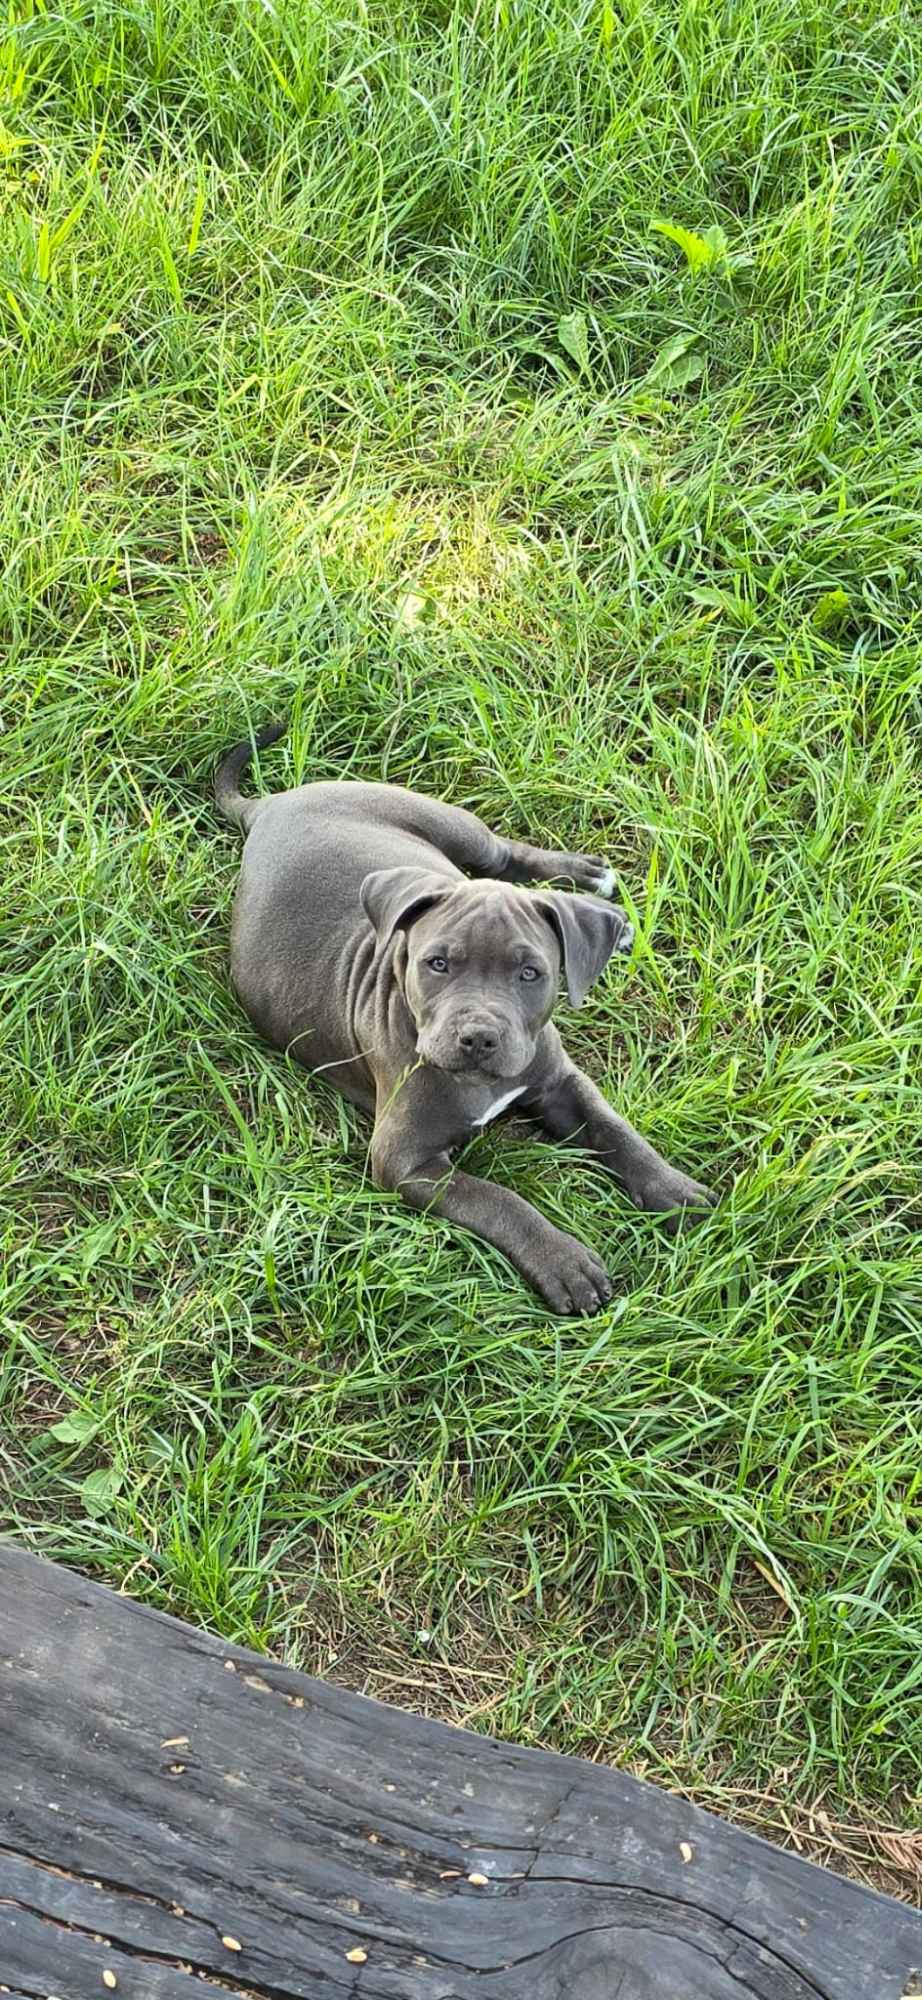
(573, 336)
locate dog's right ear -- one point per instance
(392, 897)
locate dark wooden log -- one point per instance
(162, 1793)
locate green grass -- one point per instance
(289, 421)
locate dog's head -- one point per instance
(484, 961)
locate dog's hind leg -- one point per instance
(472, 846)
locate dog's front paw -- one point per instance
(677, 1197)
(571, 1278)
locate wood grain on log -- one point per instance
(195, 1820)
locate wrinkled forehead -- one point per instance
(477, 919)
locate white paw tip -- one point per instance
(605, 885)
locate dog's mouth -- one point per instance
(492, 1070)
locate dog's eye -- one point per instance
(529, 972)
(437, 964)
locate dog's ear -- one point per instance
(394, 896)
(588, 931)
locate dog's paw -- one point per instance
(590, 872)
(676, 1197)
(572, 1279)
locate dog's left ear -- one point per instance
(394, 896)
(588, 931)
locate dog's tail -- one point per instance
(228, 796)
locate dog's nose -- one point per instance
(478, 1040)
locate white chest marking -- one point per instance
(499, 1104)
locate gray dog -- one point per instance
(360, 945)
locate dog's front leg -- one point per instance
(570, 1107)
(568, 1276)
